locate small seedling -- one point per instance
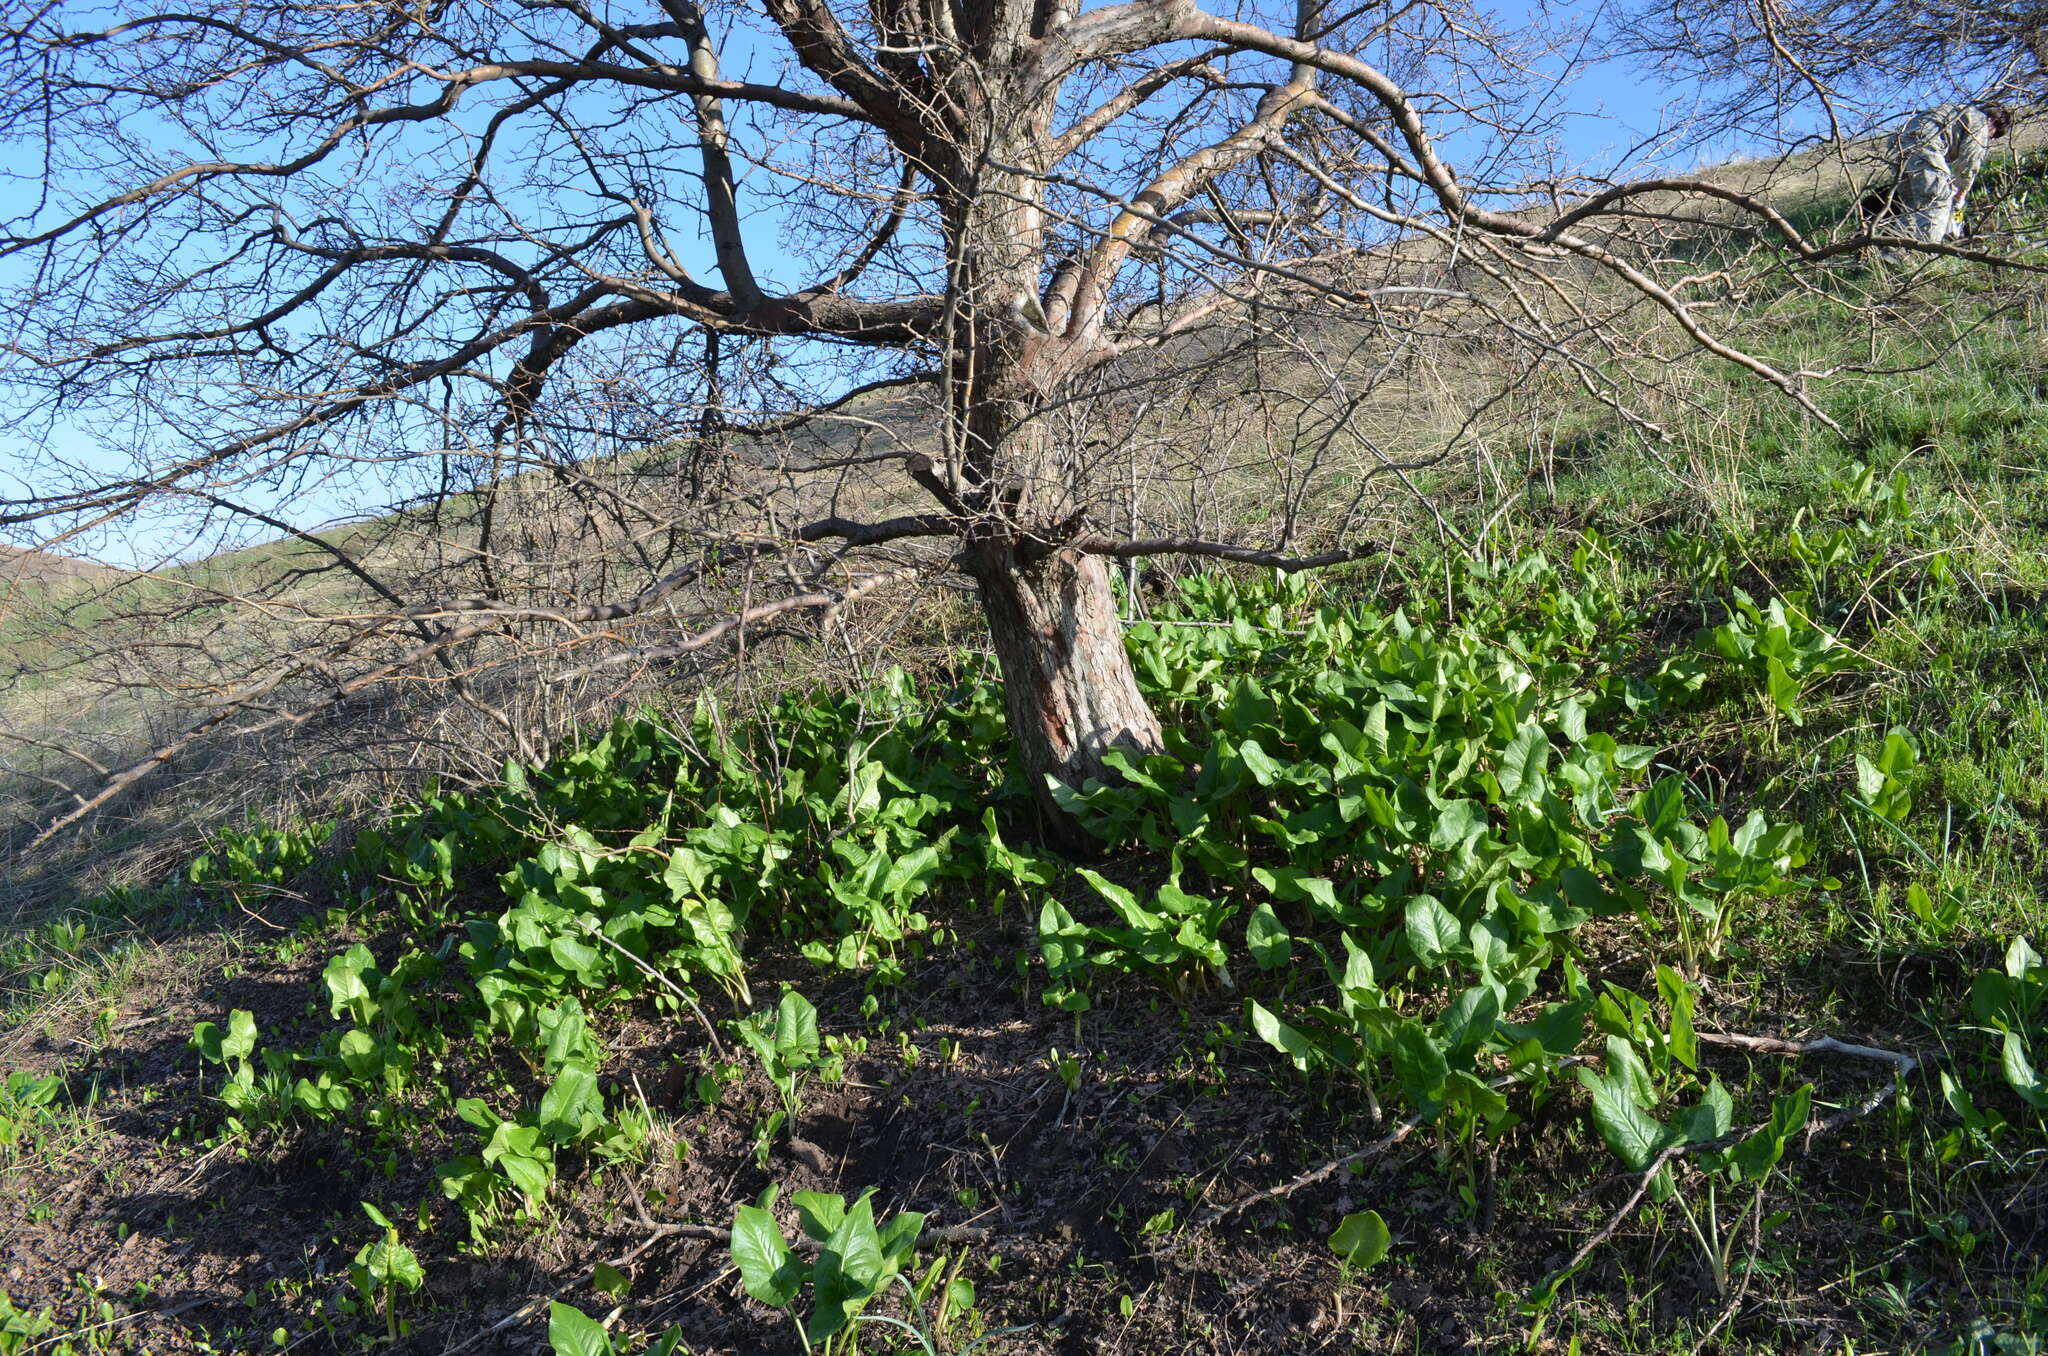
(1360, 1241)
(381, 1267)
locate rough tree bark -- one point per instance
(1068, 683)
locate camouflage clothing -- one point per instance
(1939, 153)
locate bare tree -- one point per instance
(1768, 55)
(928, 287)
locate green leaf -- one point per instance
(1265, 771)
(687, 875)
(528, 1173)
(899, 1238)
(569, 1100)
(609, 1280)
(796, 1026)
(571, 1332)
(1268, 939)
(1458, 822)
(767, 1271)
(1433, 931)
(1784, 690)
(1361, 1239)
(241, 1038)
(849, 1270)
(390, 1262)
(2017, 1065)
(578, 958)
(819, 1212)
(1756, 1155)
(1524, 762)
(1678, 996)
(1662, 806)
(1469, 1020)
(358, 1051)
(346, 989)
(1419, 1063)
(1282, 1037)
(1632, 1133)
(1709, 1120)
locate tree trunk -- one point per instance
(1068, 683)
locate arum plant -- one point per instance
(380, 1268)
(1360, 1242)
(856, 1260)
(786, 1043)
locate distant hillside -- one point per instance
(44, 567)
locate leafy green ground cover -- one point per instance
(1624, 939)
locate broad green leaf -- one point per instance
(1784, 690)
(578, 958)
(767, 1272)
(607, 1279)
(1361, 1239)
(1523, 764)
(687, 875)
(1678, 997)
(1419, 1062)
(2018, 1066)
(571, 1098)
(346, 988)
(358, 1051)
(241, 1038)
(1662, 806)
(530, 1175)
(1265, 771)
(1625, 1062)
(1458, 822)
(849, 1270)
(1756, 1155)
(1469, 1020)
(2021, 963)
(1267, 939)
(390, 1262)
(1282, 1037)
(1711, 1118)
(796, 1026)
(1433, 931)
(899, 1238)
(571, 1332)
(1556, 1030)
(819, 1212)
(1632, 1133)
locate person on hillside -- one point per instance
(1938, 154)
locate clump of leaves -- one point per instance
(786, 1043)
(855, 1261)
(2010, 1002)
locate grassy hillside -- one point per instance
(1618, 938)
